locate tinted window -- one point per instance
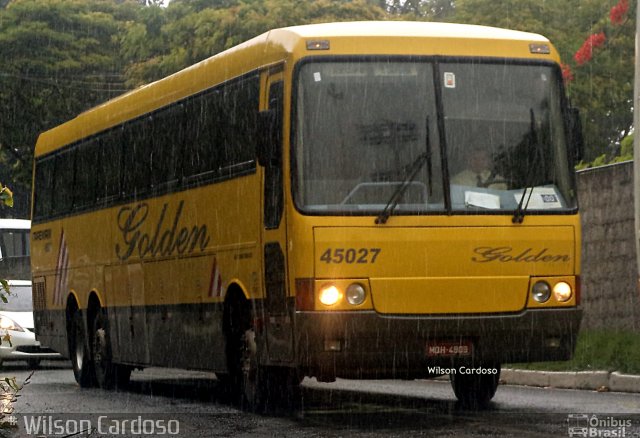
(203, 133)
(63, 185)
(167, 140)
(85, 181)
(240, 110)
(109, 165)
(15, 260)
(44, 187)
(137, 157)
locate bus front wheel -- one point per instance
(83, 370)
(475, 390)
(108, 374)
(265, 388)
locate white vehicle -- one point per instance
(18, 340)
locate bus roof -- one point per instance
(279, 45)
(419, 29)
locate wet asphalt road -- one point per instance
(194, 405)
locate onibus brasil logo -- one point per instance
(584, 425)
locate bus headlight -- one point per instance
(356, 294)
(562, 292)
(329, 295)
(541, 292)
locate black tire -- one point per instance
(108, 375)
(252, 384)
(475, 391)
(80, 352)
(255, 387)
(266, 389)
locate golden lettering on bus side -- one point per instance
(505, 254)
(165, 241)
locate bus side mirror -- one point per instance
(576, 139)
(269, 139)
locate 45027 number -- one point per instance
(350, 255)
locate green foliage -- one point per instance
(603, 87)
(599, 350)
(163, 41)
(625, 154)
(9, 393)
(60, 57)
(431, 10)
(6, 198)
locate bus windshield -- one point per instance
(492, 133)
(14, 254)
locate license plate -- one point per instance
(445, 348)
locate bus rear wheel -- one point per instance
(81, 363)
(108, 374)
(475, 391)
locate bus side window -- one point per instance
(240, 111)
(168, 140)
(109, 165)
(63, 182)
(44, 188)
(199, 137)
(84, 190)
(137, 151)
(273, 184)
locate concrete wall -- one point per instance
(609, 271)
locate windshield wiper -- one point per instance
(395, 198)
(415, 167)
(518, 215)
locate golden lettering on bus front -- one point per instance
(167, 238)
(506, 254)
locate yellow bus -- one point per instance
(299, 205)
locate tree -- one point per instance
(6, 200)
(164, 41)
(433, 10)
(59, 58)
(601, 88)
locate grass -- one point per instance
(598, 350)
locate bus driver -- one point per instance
(478, 172)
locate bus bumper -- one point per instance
(370, 345)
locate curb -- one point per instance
(601, 381)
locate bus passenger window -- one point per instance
(63, 184)
(44, 187)
(168, 140)
(137, 150)
(200, 148)
(84, 190)
(110, 168)
(240, 112)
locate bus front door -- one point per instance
(278, 309)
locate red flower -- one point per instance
(618, 12)
(567, 74)
(585, 53)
